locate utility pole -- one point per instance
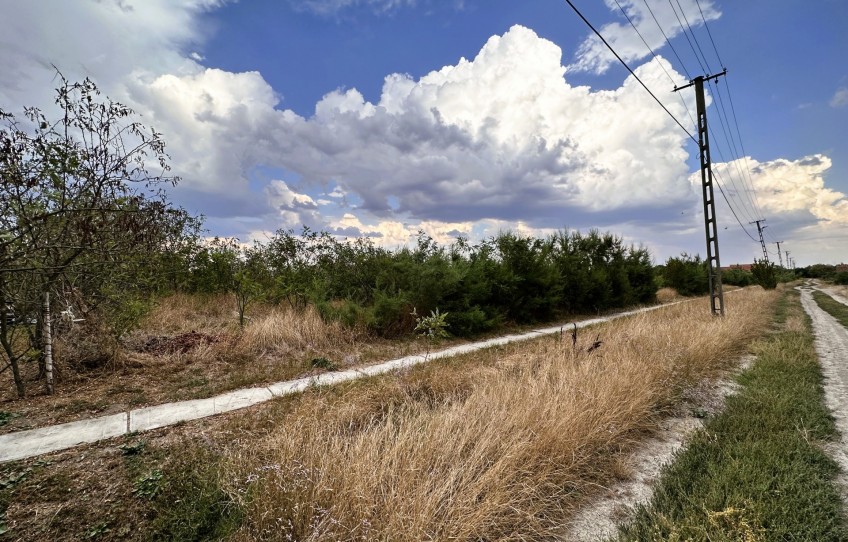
(713, 263)
(788, 264)
(779, 255)
(762, 243)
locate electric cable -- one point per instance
(683, 13)
(654, 55)
(673, 50)
(703, 69)
(631, 71)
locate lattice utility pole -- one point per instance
(788, 264)
(713, 263)
(762, 243)
(779, 255)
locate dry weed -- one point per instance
(505, 453)
(667, 295)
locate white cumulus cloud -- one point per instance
(648, 16)
(502, 136)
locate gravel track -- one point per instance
(831, 342)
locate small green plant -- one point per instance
(132, 449)
(13, 478)
(97, 530)
(323, 363)
(6, 417)
(148, 486)
(433, 327)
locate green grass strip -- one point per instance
(756, 471)
(832, 307)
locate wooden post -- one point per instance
(48, 343)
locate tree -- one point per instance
(764, 274)
(686, 274)
(78, 208)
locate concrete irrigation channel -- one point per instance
(33, 442)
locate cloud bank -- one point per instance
(502, 140)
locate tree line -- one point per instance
(507, 278)
(86, 226)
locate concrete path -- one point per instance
(33, 442)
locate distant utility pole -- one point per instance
(788, 261)
(714, 265)
(762, 243)
(779, 255)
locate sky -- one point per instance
(381, 118)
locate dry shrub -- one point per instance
(667, 295)
(505, 453)
(86, 346)
(181, 313)
(286, 329)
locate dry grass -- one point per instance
(276, 344)
(840, 290)
(504, 453)
(667, 295)
(287, 330)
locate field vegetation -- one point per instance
(502, 444)
(758, 471)
(502, 452)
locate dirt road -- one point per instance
(831, 341)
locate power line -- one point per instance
(623, 63)
(683, 13)
(667, 40)
(708, 68)
(732, 150)
(703, 69)
(730, 174)
(653, 54)
(577, 11)
(710, 34)
(755, 199)
(718, 176)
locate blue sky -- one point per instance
(382, 117)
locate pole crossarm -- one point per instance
(702, 78)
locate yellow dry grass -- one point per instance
(287, 329)
(504, 449)
(667, 295)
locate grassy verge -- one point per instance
(505, 449)
(757, 471)
(832, 307)
(501, 444)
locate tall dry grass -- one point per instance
(502, 453)
(667, 295)
(277, 343)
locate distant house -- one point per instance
(842, 268)
(739, 266)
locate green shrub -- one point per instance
(764, 274)
(506, 278)
(686, 274)
(737, 277)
